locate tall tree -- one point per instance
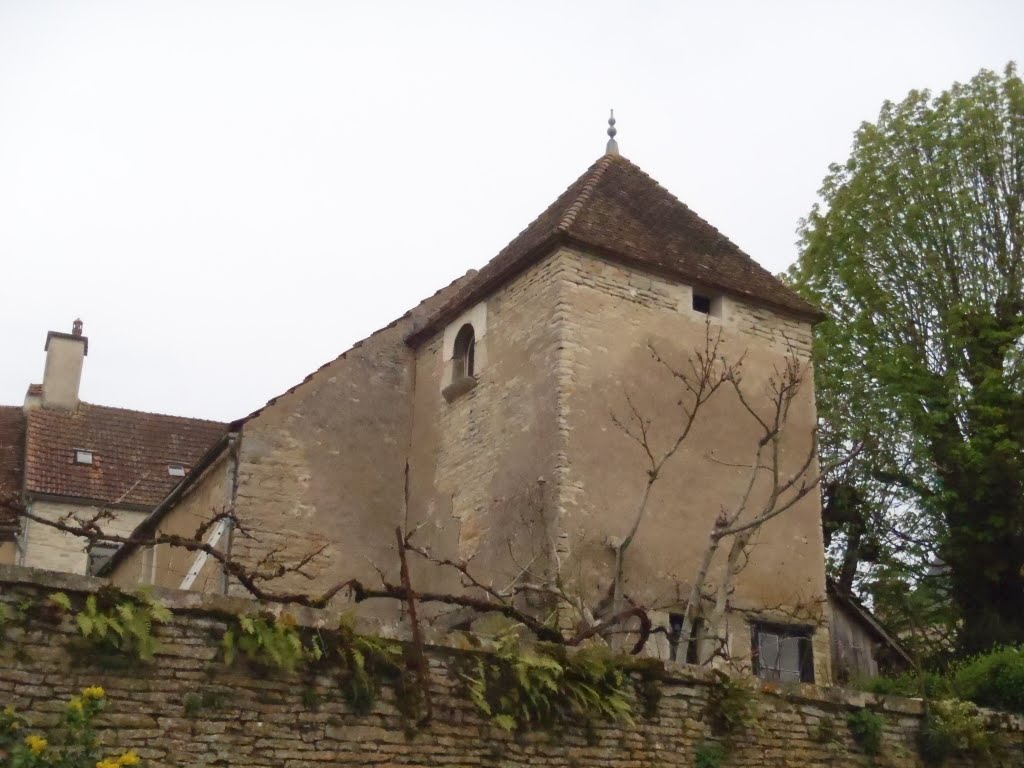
(916, 252)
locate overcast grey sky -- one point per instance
(231, 193)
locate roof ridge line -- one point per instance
(137, 410)
(573, 210)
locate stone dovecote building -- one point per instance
(61, 456)
(484, 415)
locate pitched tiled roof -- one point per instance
(12, 450)
(131, 451)
(617, 210)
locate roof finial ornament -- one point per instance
(613, 146)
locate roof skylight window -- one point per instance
(82, 456)
(175, 470)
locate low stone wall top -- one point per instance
(187, 708)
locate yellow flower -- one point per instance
(9, 710)
(129, 758)
(108, 763)
(75, 704)
(93, 692)
(36, 743)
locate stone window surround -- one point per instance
(453, 387)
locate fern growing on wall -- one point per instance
(519, 688)
(113, 623)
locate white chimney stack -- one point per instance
(65, 353)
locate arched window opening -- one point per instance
(462, 354)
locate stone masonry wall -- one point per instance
(479, 464)
(324, 464)
(611, 317)
(296, 721)
(46, 547)
(167, 566)
(321, 465)
(782, 332)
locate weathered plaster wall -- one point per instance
(298, 721)
(46, 547)
(611, 314)
(166, 566)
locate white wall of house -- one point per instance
(42, 546)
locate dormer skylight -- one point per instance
(83, 456)
(175, 470)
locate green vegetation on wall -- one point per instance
(520, 688)
(866, 728)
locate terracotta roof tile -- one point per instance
(12, 451)
(131, 452)
(617, 210)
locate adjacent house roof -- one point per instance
(12, 451)
(131, 452)
(617, 210)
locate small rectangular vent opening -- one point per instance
(702, 304)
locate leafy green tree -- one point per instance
(916, 252)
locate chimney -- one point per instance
(65, 353)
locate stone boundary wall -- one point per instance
(273, 721)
